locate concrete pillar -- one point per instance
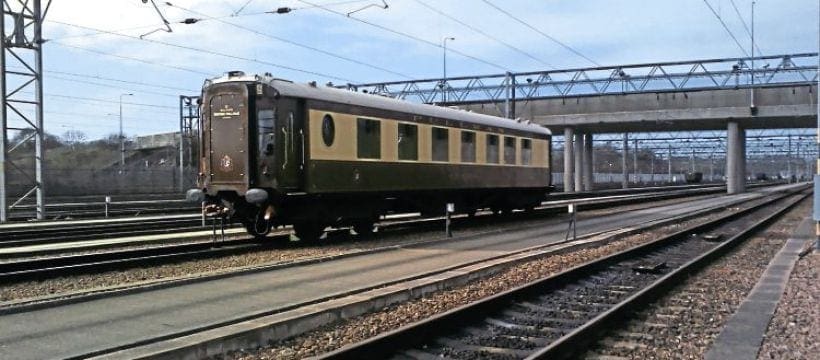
(589, 170)
(624, 169)
(741, 171)
(669, 164)
(569, 161)
(579, 161)
(735, 159)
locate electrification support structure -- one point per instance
(579, 161)
(569, 160)
(624, 157)
(188, 120)
(21, 85)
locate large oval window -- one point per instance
(328, 130)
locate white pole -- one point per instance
(817, 136)
(752, 89)
(444, 78)
(122, 139)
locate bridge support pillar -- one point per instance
(589, 175)
(579, 161)
(736, 159)
(569, 161)
(624, 168)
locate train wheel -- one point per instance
(363, 227)
(258, 231)
(258, 226)
(308, 231)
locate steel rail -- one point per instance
(413, 335)
(78, 232)
(71, 232)
(67, 265)
(575, 341)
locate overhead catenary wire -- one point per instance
(746, 27)
(725, 27)
(479, 31)
(235, 13)
(291, 42)
(103, 78)
(74, 97)
(112, 101)
(183, 20)
(94, 51)
(206, 51)
(110, 86)
(406, 35)
(131, 82)
(533, 28)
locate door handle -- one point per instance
(285, 163)
(302, 135)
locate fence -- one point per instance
(77, 182)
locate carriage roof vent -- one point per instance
(236, 73)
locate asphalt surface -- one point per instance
(75, 330)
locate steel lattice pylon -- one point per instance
(188, 124)
(21, 85)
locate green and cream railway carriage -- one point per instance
(275, 153)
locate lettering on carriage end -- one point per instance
(225, 112)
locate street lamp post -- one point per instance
(752, 88)
(444, 78)
(122, 139)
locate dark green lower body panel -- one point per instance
(359, 176)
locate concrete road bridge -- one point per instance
(729, 94)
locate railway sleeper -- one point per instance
(481, 351)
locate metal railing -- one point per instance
(727, 73)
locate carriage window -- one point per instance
(265, 121)
(492, 149)
(368, 138)
(441, 146)
(526, 151)
(408, 142)
(467, 146)
(328, 130)
(509, 150)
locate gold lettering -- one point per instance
(226, 113)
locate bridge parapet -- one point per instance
(504, 91)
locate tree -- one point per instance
(72, 137)
(26, 136)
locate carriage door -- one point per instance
(291, 137)
(228, 135)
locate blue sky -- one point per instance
(80, 61)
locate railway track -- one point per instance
(54, 233)
(67, 265)
(95, 207)
(76, 231)
(560, 315)
(15, 270)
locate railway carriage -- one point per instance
(275, 153)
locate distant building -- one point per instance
(156, 141)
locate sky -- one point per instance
(94, 53)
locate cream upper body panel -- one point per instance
(344, 146)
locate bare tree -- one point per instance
(72, 137)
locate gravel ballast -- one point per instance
(684, 323)
(333, 336)
(794, 332)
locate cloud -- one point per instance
(610, 32)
